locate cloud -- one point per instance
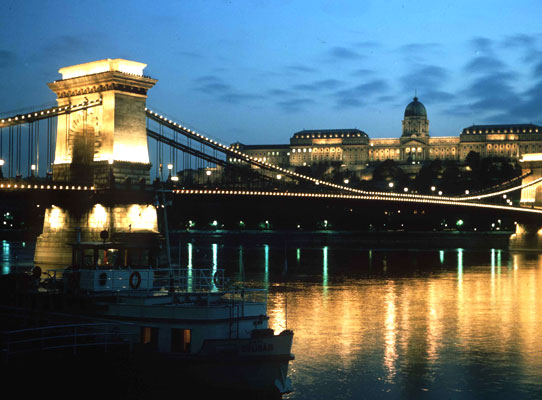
(488, 93)
(482, 44)
(368, 44)
(519, 40)
(362, 72)
(7, 59)
(300, 68)
(352, 97)
(236, 98)
(425, 79)
(69, 45)
(321, 85)
(416, 48)
(340, 53)
(438, 96)
(213, 85)
(295, 105)
(279, 93)
(484, 64)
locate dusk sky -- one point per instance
(258, 71)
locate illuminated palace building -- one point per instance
(354, 149)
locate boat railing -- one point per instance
(140, 280)
(151, 282)
(72, 338)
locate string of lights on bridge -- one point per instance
(24, 118)
(14, 186)
(252, 160)
(438, 201)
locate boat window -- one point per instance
(88, 257)
(180, 340)
(149, 337)
(112, 257)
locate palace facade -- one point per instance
(355, 150)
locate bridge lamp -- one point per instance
(433, 188)
(279, 176)
(110, 161)
(390, 185)
(405, 189)
(467, 191)
(504, 196)
(346, 181)
(2, 162)
(208, 172)
(440, 192)
(170, 166)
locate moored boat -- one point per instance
(188, 321)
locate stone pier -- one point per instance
(102, 146)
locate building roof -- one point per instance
(329, 133)
(261, 146)
(502, 128)
(415, 109)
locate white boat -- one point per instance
(186, 320)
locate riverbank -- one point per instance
(363, 239)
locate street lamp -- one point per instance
(405, 189)
(390, 185)
(2, 162)
(433, 188)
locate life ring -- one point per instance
(135, 280)
(102, 279)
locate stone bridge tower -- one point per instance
(99, 145)
(109, 139)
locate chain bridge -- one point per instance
(101, 159)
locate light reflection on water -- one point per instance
(447, 323)
(470, 333)
(399, 324)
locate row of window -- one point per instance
(325, 135)
(480, 131)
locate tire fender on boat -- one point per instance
(135, 280)
(73, 280)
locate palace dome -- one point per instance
(415, 109)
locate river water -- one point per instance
(431, 317)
